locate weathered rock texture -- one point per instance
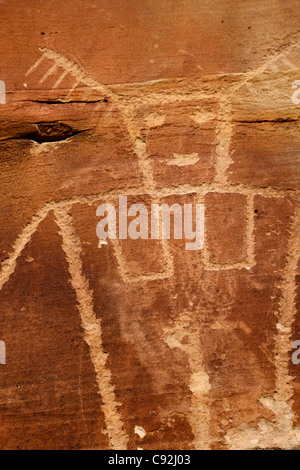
(142, 344)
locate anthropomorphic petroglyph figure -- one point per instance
(193, 326)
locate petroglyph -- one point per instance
(269, 434)
(185, 336)
(92, 331)
(282, 433)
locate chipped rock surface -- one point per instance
(127, 344)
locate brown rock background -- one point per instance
(142, 344)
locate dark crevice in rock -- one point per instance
(48, 132)
(261, 121)
(58, 101)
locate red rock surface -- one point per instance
(141, 343)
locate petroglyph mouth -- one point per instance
(184, 160)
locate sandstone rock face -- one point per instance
(129, 344)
